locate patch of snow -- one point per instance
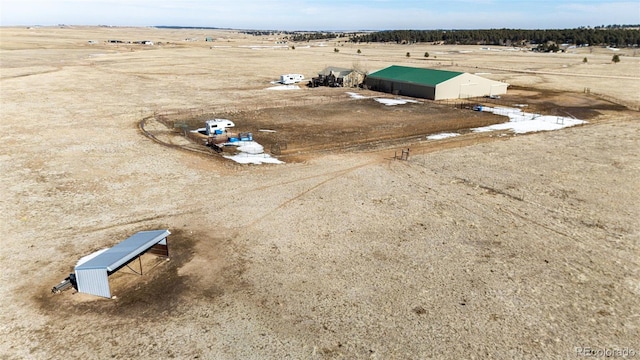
(522, 122)
(392, 102)
(442, 136)
(251, 147)
(246, 158)
(251, 153)
(284, 87)
(385, 101)
(356, 95)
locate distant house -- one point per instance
(336, 77)
(208, 39)
(432, 84)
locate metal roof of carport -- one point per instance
(408, 74)
(123, 252)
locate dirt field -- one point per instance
(480, 246)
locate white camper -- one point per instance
(217, 124)
(291, 78)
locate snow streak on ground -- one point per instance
(251, 153)
(246, 158)
(385, 101)
(391, 102)
(521, 122)
(356, 95)
(441, 136)
(284, 87)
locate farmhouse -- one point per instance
(337, 76)
(432, 84)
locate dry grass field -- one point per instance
(481, 246)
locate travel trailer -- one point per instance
(291, 78)
(211, 126)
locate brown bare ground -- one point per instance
(480, 246)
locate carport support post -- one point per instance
(140, 261)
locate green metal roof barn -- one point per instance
(432, 84)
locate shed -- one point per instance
(92, 275)
(432, 84)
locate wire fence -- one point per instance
(628, 105)
(171, 116)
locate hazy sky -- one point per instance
(324, 14)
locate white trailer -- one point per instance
(217, 124)
(291, 78)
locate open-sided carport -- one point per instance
(92, 276)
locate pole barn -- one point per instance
(432, 84)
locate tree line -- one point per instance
(609, 36)
(307, 36)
